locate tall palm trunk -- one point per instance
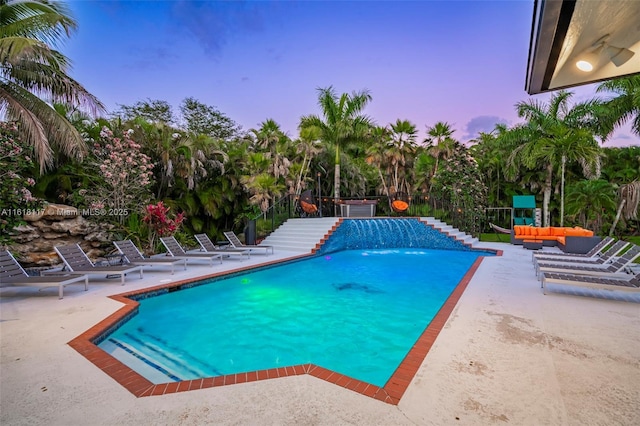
(384, 184)
(563, 165)
(547, 197)
(336, 184)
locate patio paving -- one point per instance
(507, 354)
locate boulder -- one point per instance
(75, 226)
(58, 225)
(53, 212)
(39, 259)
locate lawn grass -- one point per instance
(635, 240)
(495, 237)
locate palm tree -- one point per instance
(439, 142)
(552, 134)
(268, 135)
(34, 76)
(403, 147)
(342, 122)
(308, 146)
(491, 155)
(623, 107)
(589, 200)
(376, 153)
(196, 157)
(160, 141)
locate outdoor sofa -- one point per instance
(569, 240)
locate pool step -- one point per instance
(300, 234)
(450, 231)
(152, 370)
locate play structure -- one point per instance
(523, 210)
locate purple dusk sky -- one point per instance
(463, 62)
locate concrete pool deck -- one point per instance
(507, 354)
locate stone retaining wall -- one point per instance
(57, 225)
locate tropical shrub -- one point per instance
(16, 199)
(592, 204)
(459, 182)
(123, 178)
(160, 223)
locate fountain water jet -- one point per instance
(358, 234)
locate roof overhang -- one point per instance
(563, 31)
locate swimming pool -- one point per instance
(356, 312)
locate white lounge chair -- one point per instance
(207, 246)
(606, 270)
(175, 249)
(621, 282)
(236, 243)
(75, 260)
(134, 257)
(594, 253)
(12, 274)
(606, 257)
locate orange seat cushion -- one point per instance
(574, 232)
(399, 205)
(308, 207)
(544, 231)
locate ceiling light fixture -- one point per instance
(618, 55)
(588, 60)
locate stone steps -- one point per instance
(300, 234)
(450, 231)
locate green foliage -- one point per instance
(150, 110)
(621, 108)
(459, 182)
(207, 120)
(34, 76)
(342, 123)
(16, 199)
(590, 202)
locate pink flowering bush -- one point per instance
(125, 175)
(16, 199)
(160, 223)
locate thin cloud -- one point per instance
(482, 123)
(152, 58)
(214, 24)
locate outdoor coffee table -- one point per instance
(532, 244)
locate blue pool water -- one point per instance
(357, 312)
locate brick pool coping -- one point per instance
(139, 386)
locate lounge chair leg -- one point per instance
(60, 291)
